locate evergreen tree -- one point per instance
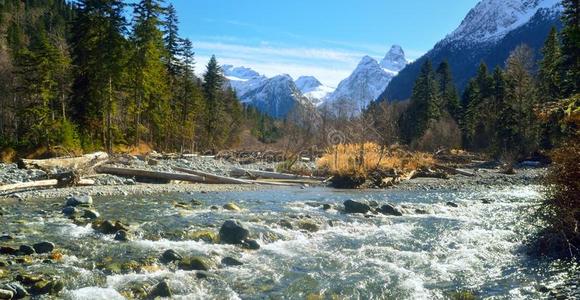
(471, 100)
(212, 86)
(190, 100)
(99, 49)
(172, 41)
(449, 96)
(570, 45)
(550, 67)
(150, 74)
(424, 106)
(518, 119)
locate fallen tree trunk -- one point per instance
(216, 179)
(270, 175)
(454, 171)
(56, 165)
(150, 174)
(211, 178)
(39, 184)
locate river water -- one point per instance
(475, 247)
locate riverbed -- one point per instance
(466, 239)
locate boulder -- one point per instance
(8, 250)
(108, 227)
(160, 290)
(230, 261)
(43, 247)
(26, 250)
(6, 294)
(389, 210)
(308, 226)
(193, 263)
(451, 204)
(69, 211)
(171, 256)
(285, 224)
(47, 287)
(251, 245)
(326, 206)
(91, 214)
(18, 292)
(79, 200)
(232, 207)
(354, 207)
(232, 232)
(122, 236)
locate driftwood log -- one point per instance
(216, 179)
(79, 164)
(39, 185)
(149, 174)
(237, 172)
(453, 170)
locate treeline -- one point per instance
(500, 111)
(82, 76)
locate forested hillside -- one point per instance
(95, 74)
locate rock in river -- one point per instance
(452, 204)
(230, 261)
(251, 245)
(18, 292)
(171, 256)
(161, 290)
(193, 263)
(122, 236)
(79, 200)
(390, 210)
(6, 294)
(69, 211)
(26, 250)
(232, 232)
(43, 247)
(91, 214)
(354, 207)
(232, 207)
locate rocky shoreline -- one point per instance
(110, 185)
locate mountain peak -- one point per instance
(394, 60)
(239, 72)
(491, 20)
(307, 83)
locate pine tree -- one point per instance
(570, 45)
(449, 96)
(172, 41)
(149, 73)
(498, 111)
(550, 67)
(471, 100)
(99, 49)
(190, 100)
(212, 86)
(520, 136)
(425, 104)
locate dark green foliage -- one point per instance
(570, 47)
(424, 107)
(550, 68)
(449, 95)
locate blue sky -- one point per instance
(324, 38)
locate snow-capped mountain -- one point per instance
(488, 33)
(277, 96)
(491, 20)
(395, 59)
(366, 82)
(243, 79)
(313, 89)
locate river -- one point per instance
(476, 247)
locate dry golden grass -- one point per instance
(352, 159)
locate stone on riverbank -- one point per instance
(354, 207)
(232, 232)
(18, 292)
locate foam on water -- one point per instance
(94, 293)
